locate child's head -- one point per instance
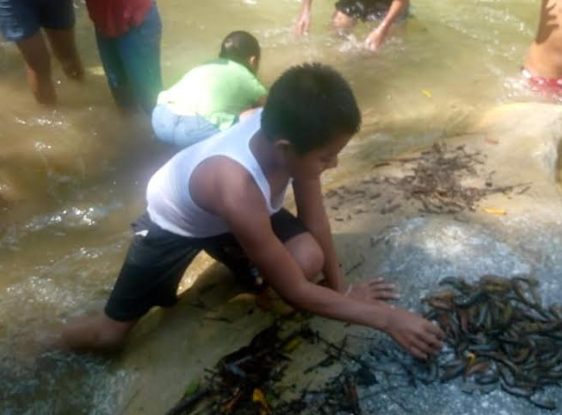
(342, 21)
(310, 114)
(243, 48)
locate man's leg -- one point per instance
(38, 68)
(114, 71)
(64, 47)
(57, 18)
(19, 22)
(140, 53)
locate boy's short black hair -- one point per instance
(309, 105)
(240, 46)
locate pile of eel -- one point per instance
(434, 182)
(436, 178)
(500, 334)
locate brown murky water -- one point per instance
(72, 179)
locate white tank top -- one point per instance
(170, 205)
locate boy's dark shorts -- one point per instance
(21, 19)
(157, 260)
(367, 9)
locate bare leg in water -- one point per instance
(64, 48)
(38, 68)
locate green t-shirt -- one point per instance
(218, 90)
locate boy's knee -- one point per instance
(308, 254)
(315, 262)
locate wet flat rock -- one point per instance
(441, 180)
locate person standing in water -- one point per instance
(128, 34)
(210, 97)
(21, 22)
(543, 66)
(348, 12)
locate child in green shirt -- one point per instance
(210, 97)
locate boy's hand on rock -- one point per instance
(372, 290)
(415, 334)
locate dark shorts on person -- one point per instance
(367, 10)
(21, 19)
(132, 63)
(157, 260)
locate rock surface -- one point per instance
(509, 233)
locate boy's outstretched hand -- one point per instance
(372, 290)
(415, 334)
(376, 38)
(302, 25)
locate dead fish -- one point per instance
(389, 209)
(479, 366)
(442, 300)
(555, 311)
(487, 347)
(457, 283)
(522, 391)
(493, 284)
(522, 286)
(521, 356)
(488, 378)
(452, 370)
(470, 299)
(543, 403)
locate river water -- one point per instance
(72, 179)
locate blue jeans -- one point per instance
(21, 19)
(180, 130)
(132, 63)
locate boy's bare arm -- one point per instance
(311, 211)
(245, 211)
(242, 206)
(377, 36)
(302, 25)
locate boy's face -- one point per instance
(254, 62)
(312, 164)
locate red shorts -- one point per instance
(550, 86)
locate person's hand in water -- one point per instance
(372, 290)
(415, 334)
(376, 38)
(302, 26)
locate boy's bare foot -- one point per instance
(268, 300)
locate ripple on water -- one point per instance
(33, 307)
(60, 384)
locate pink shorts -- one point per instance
(551, 86)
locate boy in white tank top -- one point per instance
(224, 195)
